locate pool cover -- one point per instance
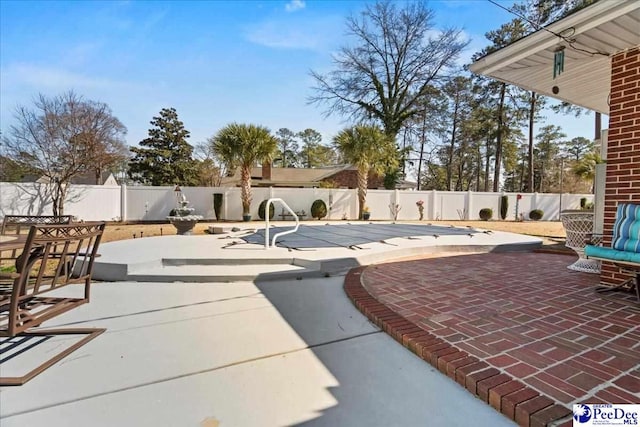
(352, 235)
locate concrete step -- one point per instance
(190, 271)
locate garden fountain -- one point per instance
(183, 218)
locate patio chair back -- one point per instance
(626, 229)
(15, 225)
(54, 256)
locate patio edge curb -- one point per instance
(505, 394)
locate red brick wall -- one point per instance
(349, 178)
(623, 148)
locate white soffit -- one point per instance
(608, 26)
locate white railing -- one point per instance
(282, 233)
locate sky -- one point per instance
(215, 62)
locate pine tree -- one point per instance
(164, 158)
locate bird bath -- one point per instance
(184, 220)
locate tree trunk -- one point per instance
(522, 176)
(98, 174)
(422, 138)
(532, 110)
(498, 161)
(487, 156)
(479, 167)
(452, 145)
(363, 178)
(57, 198)
(245, 194)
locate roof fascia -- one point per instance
(590, 17)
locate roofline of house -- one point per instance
(581, 21)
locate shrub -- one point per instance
(583, 202)
(318, 209)
(272, 210)
(486, 214)
(536, 214)
(217, 204)
(504, 206)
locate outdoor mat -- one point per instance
(352, 235)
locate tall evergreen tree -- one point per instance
(287, 147)
(313, 154)
(546, 153)
(165, 157)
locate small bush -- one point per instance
(583, 202)
(588, 206)
(536, 214)
(318, 209)
(504, 206)
(217, 204)
(272, 210)
(486, 214)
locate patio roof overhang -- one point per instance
(607, 27)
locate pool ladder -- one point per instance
(282, 233)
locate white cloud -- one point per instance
(294, 5)
(47, 78)
(310, 34)
(272, 34)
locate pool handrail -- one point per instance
(282, 233)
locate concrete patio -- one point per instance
(243, 354)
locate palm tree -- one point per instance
(585, 168)
(244, 146)
(369, 150)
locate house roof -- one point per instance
(606, 27)
(288, 176)
(107, 178)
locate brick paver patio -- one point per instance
(519, 330)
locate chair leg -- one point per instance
(631, 284)
(90, 333)
(627, 283)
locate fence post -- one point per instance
(225, 205)
(123, 202)
(433, 205)
(468, 205)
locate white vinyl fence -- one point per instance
(137, 203)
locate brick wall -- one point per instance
(349, 178)
(623, 148)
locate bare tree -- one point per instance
(211, 169)
(393, 63)
(63, 137)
